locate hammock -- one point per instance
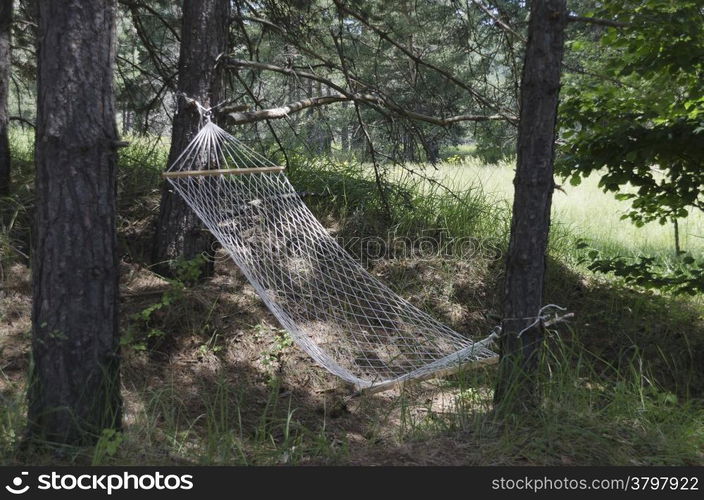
(336, 311)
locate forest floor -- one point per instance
(209, 377)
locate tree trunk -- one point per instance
(321, 132)
(180, 234)
(359, 143)
(74, 389)
(525, 266)
(5, 63)
(344, 129)
(409, 146)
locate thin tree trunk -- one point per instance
(74, 389)
(344, 130)
(432, 149)
(359, 144)
(5, 63)
(534, 184)
(678, 248)
(409, 146)
(180, 234)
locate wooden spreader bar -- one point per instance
(229, 171)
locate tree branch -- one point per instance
(595, 20)
(280, 112)
(22, 119)
(237, 116)
(241, 63)
(418, 60)
(343, 95)
(498, 21)
(253, 96)
(160, 66)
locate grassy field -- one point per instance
(210, 378)
(582, 211)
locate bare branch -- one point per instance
(23, 120)
(343, 95)
(265, 22)
(498, 21)
(282, 111)
(237, 116)
(154, 53)
(236, 108)
(153, 12)
(379, 179)
(241, 63)
(595, 20)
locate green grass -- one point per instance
(622, 384)
(583, 211)
(418, 206)
(588, 417)
(140, 164)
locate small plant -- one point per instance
(143, 330)
(141, 333)
(187, 271)
(455, 160)
(211, 346)
(107, 446)
(281, 341)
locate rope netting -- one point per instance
(333, 308)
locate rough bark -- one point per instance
(5, 62)
(74, 391)
(180, 234)
(534, 184)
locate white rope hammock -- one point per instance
(336, 311)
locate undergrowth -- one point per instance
(623, 384)
(619, 415)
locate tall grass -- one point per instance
(582, 211)
(140, 165)
(348, 193)
(613, 416)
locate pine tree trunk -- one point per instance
(5, 62)
(344, 129)
(74, 389)
(525, 266)
(180, 234)
(409, 146)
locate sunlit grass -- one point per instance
(583, 211)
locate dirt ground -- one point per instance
(219, 334)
